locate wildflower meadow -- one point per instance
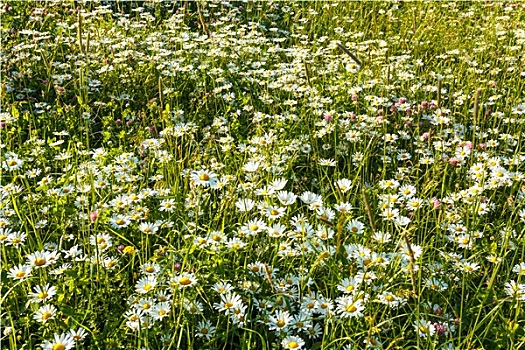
(262, 175)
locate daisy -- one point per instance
(515, 290)
(193, 307)
(407, 191)
(382, 237)
(42, 294)
(145, 284)
(356, 227)
(150, 268)
(344, 207)
(238, 316)
(424, 328)
(344, 185)
(148, 227)
(167, 205)
(280, 321)
(519, 268)
(101, 240)
(347, 307)
(120, 221)
(327, 162)
(286, 198)
(292, 342)
(204, 178)
(389, 184)
(253, 227)
(145, 304)
(435, 283)
(235, 243)
(278, 184)
(314, 331)
(349, 285)
(205, 329)
(184, 280)
(301, 321)
(274, 212)
(390, 299)
(310, 198)
(45, 313)
(39, 259)
(16, 239)
(60, 342)
(276, 230)
(325, 214)
(222, 287)
(245, 204)
(229, 302)
(19, 272)
(161, 310)
(78, 335)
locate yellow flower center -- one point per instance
(147, 287)
(293, 345)
(150, 269)
(254, 227)
(228, 305)
(162, 312)
(184, 281)
(120, 222)
(40, 261)
(280, 323)
(351, 308)
(389, 298)
(350, 288)
(204, 177)
(20, 274)
(59, 346)
(42, 295)
(46, 315)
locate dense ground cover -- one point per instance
(262, 175)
